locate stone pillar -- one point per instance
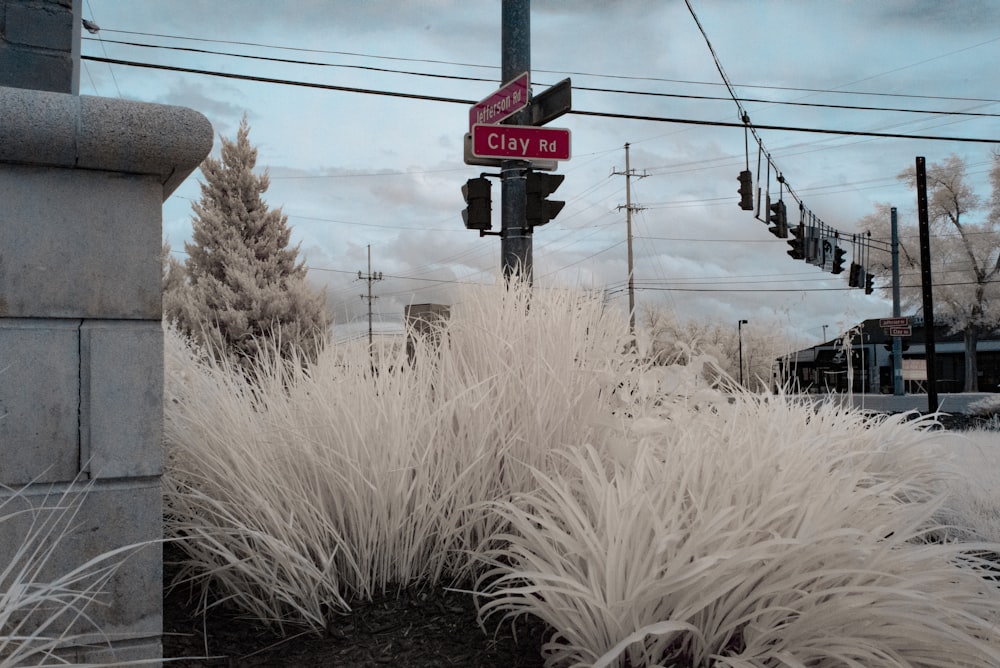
(82, 182)
(40, 44)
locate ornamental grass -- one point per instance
(526, 452)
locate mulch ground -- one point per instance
(414, 629)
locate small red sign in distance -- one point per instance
(893, 322)
(520, 142)
(900, 331)
(509, 99)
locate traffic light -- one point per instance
(479, 204)
(855, 279)
(779, 220)
(797, 242)
(538, 209)
(838, 260)
(746, 190)
(869, 286)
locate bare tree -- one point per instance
(672, 340)
(965, 253)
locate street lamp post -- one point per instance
(739, 329)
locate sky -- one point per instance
(358, 172)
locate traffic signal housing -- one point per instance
(479, 204)
(869, 284)
(838, 260)
(538, 209)
(778, 220)
(746, 190)
(856, 277)
(796, 244)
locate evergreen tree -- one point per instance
(242, 288)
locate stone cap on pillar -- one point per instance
(83, 132)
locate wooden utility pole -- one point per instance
(371, 278)
(926, 285)
(629, 208)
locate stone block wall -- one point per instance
(82, 182)
(40, 44)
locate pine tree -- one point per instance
(243, 288)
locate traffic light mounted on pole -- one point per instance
(779, 220)
(746, 190)
(538, 209)
(479, 204)
(797, 249)
(869, 285)
(838, 260)
(855, 279)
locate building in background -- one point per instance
(827, 367)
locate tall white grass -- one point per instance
(46, 607)
(973, 504)
(315, 487)
(644, 514)
(760, 533)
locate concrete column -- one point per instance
(40, 44)
(82, 182)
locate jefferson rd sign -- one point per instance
(520, 142)
(885, 323)
(509, 99)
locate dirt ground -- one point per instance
(414, 629)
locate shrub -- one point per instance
(645, 514)
(306, 488)
(757, 534)
(987, 407)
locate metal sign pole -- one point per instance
(515, 235)
(897, 343)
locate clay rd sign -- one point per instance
(509, 99)
(520, 142)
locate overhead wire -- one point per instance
(577, 112)
(836, 91)
(577, 87)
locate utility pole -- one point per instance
(371, 278)
(739, 329)
(515, 235)
(897, 342)
(629, 208)
(926, 285)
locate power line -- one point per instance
(369, 68)
(105, 50)
(464, 102)
(584, 74)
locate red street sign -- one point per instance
(893, 322)
(900, 331)
(538, 165)
(520, 142)
(509, 99)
